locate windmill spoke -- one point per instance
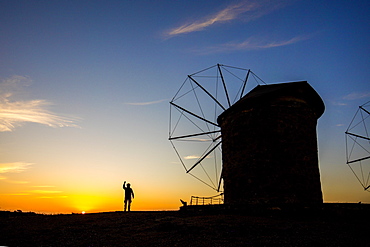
(195, 115)
(192, 135)
(223, 83)
(365, 110)
(363, 137)
(357, 160)
(200, 107)
(210, 95)
(245, 83)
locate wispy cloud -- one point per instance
(357, 95)
(17, 194)
(43, 186)
(15, 167)
(51, 197)
(337, 103)
(191, 157)
(246, 10)
(14, 113)
(252, 43)
(198, 140)
(45, 191)
(147, 103)
(17, 182)
(47, 194)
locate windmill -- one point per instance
(358, 145)
(268, 136)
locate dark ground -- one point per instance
(334, 227)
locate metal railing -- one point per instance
(211, 200)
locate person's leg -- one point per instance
(126, 206)
(129, 205)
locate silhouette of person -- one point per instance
(128, 193)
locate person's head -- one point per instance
(129, 185)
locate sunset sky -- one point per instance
(85, 89)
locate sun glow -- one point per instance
(83, 203)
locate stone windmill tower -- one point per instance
(269, 146)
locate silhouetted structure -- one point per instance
(129, 194)
(269, 146)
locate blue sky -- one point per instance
(85, 86)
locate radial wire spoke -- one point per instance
(200, 107)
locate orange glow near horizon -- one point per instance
(32, 190)
(51, 200)
(77, 203)
(77, 187)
